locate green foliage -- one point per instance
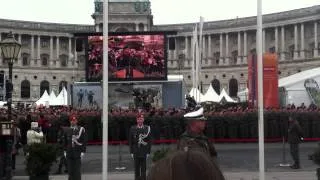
(159, 154)
(40, 159)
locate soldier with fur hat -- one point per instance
(193, 137)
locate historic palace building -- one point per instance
(49, 60)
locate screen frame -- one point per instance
(84, 38)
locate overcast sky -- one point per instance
(164, 11)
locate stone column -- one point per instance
(302, 41)
(276, 40)
(70, 60)
(186, 52)
(263, 41)
(239, 49)
(283, 55)
(32, 51)
(175, 51)
(315, 51)
(204, 55)
(51, 51)
(1, 61)
(221, 50)
(58, 51)
(295, 54)
(245, 49)
(39, 50)
(137, 26)
(97, 28)
(19, 56)
(227, 49)
(76, 55)
(209, 50)
(145, 26)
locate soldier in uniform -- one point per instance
(294, 138)
(75, 147)
(140, 146)
(193, 137)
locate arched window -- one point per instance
(44, 85)
(63, 84)
(233, 87)
(216, 85)
(25, 89)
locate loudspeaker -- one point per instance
(79, 44)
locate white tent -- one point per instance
(52, 98)
(243, 95)
(210, 96)
(224, 94)
(44, 99)
(62, 98)
(196, 94)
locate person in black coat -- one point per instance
(295, 136)
(140, 146)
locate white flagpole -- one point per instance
(200, 51)
(105, 91)
(260, 90)
(194, 61)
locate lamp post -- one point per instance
(10, 49)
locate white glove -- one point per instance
(82, 155)
(301, 138)
(65, 154)
(132, 155)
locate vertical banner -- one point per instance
(270, 80)
(252, 80)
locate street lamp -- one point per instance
(10, 49)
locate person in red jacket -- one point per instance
(43, 124)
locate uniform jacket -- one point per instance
(294, 133)
(140, 140)
(34, 137)
(75, 141)
(189, 141)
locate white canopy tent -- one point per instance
(196, 94)
(62, 98)
(44, 99)
(210, 96)
(52, 98)
(224, 94)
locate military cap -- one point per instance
(195, 115)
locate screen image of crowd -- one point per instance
(130, 57)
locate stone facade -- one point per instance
(48, 52)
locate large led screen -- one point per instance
(131, 57)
